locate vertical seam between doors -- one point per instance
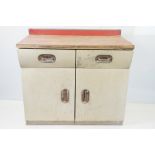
(75, 90)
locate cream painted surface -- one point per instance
(121, 59)
(42, 94)
(108, 89)
(28, 58)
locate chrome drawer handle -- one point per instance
(47, 58)
(103, 59)
(65, 95)
(85, 96)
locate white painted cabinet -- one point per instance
(98, 95)
(77, 79)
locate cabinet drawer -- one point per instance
(46, 58)
(103, 59)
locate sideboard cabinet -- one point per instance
(75, 76)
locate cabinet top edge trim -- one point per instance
(73, 50)
(75, 42)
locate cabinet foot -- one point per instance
(99, 123)
(49, 122)
(74, 123)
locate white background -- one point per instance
(142, 74)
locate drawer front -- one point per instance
(103, 59)
(46, 58)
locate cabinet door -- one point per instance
(49, 95)
(100, 95)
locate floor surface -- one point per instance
(138, 115)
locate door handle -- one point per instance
(65, 95)
(85, 96)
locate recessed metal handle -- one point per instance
(47, 58)
(65, 95)
(85, 96)
(103, 59)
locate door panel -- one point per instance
(46, 92)
(105, 95)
